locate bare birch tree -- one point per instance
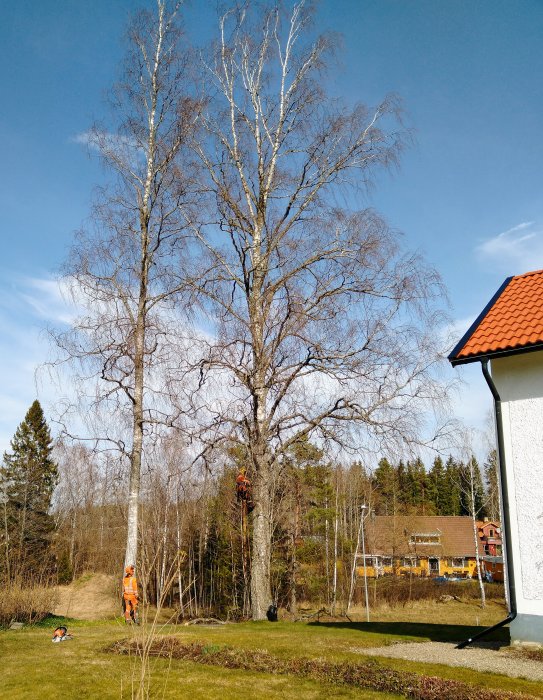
(125, 270)
(473, 504)
(323, 326)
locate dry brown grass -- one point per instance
(467, 612)
(397, 591)
(90, 597)
(534, 653)
(27, 604)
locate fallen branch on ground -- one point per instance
(204, 621)
(317, 614)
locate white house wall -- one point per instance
(519, 380)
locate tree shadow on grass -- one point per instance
(423, 630)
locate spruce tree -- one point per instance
(385, 481)
(29, 476)
(408, 489)
(421, 478)
(452, 482)
(438, 491)
(403, 490)
(415, 486)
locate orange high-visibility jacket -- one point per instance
(130, 586)
(242, 483)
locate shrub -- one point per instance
(28, 604)
(397, 591)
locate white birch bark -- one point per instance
(475, 533)
(126, 269)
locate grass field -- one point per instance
(33, 667)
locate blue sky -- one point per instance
(468, 194)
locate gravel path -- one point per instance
(478, 658)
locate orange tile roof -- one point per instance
(511, 322)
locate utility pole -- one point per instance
(4, 498)
(363, 508)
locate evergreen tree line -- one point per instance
(444, 489)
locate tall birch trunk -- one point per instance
(145, 205)
(129, 267)
(478, 562)
(138, 419)
(295, 534)
(475, 539)
(336, 528)
(327, 553)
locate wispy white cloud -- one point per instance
(26, 306)
(517, 250)
(21, 353)
(106, 141)
(49, 299)
(29, 304)
(84, 138)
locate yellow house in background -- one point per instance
(406, 545)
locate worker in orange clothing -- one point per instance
(244, 489)
(130, 595)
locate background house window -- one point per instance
(386, 561)
(425, 538)
(458, 562)
(410, 562)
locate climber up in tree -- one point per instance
(243, 489)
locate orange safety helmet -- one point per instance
(129, 569)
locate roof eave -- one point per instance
(495, 354)
(471, 330)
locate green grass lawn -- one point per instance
(33, 667)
